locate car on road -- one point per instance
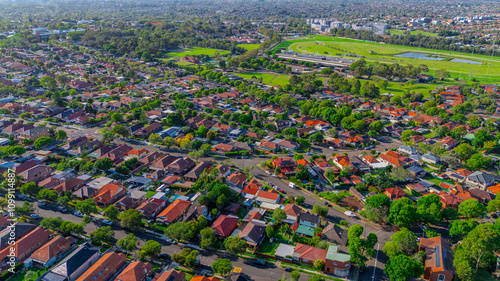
(290, 154)
(288, 269)
(309, 153)
(331, 148)
(41, 203)
(282, 191)
(67, 127)
(244, 157)
(62, 209)
(164, 256)
(308, 206)
(127, 139)
(274, 175)
(259, 262)
(22, 197)
(107, 222)
(78, 214)
(268, 172)
(35, 216)
(156, 146)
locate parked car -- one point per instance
(309, 153)
(308, 206)
(164, 256)
(259, 262)
(288, 269)
(78, 214)
(331, 147)
(244, 157)
(35, 216)
(41, 203)
(62, 209)
(107, 222)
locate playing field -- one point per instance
(414, 32)
(267, 78)
(487, 70)
(196, 51)
(249, 47)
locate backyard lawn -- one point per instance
(267, 78)
(249, 47)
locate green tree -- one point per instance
(319, 264)
(208, 238)
(402, 212)
(61, 135)
(493, 205)
(103, 234)
(236, 245)
(359, 246)
(42, 141)
(471, 208)
(279, 216)
(103, 164)
(30, 188)
(111, 212)
(464, 151)
(129, 242)
(222, 266)
(401, 267)
(87, 206)
(295, 275)
(403, 242)
(461, 228)
(155, 139)
(46, 194)
(53, 224)
(131, 219)
(150, 249)
(377, 208)
(429, 208)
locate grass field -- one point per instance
(384, 53)
(414, 32)
(195, 51)
(267, 78)
(249, 47)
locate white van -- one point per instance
(291, 184)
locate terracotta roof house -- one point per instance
(117, 152)
(254, 232)
(204, 278)
(26, 245)
(308, 254)
(195, 173)
(394, 193)
(171, 275)
(222, 148)
(105, 268)
(393, 158)
(480, 195)
(110, 193)
(292, 212)
(136, 271)
(287, 166)
(236, 182)
(174, 211)
(343, 162)
(450, 200)
(224, 225)
(51, 252)
(449, 142)
(438, 265)
(70, 184)
(268, 197)
(139, 153)
(74, 264)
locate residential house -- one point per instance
(136, 271)
(174, 211)
(308, 254)
(145, 132)
(181, 166)
(480, 180)
(292, 212)
(224, 225)
(449, 142)
(25, 245)
(236, 182)
(332, 233)
(74, 264)
(429, 158)
(110, 193)
(309, 220)
(409, 150)
(149, 209)
(393, 158)
(194, 212)
(117, 153)
(195, 173)
(170, 275)
(287, 166)
(271, 197)
(34, 133)
(336, 263)
(203, 278)
(51, 252)
(417, 172)
(480, 195)
(105, 268)
(394, 193)
(418, 187)
(36, 174)
(254, 232)
(438, 265)
(343, 162)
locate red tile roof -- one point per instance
(224, 225)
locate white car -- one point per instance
(268, 172)
(78, 214)
(331, 147)
(41, 203)
(274, 175)
(35, 216)
(107, 222)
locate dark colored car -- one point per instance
(164, 256)
(288, 269)
(259, 262)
